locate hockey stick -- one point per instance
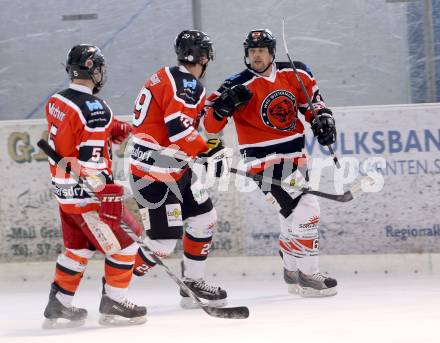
(240, 312)
(309, 101)
(354, 191)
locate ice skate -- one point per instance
(59, 316)
(122, 313)
(212, 295)
(291, 278)
(316, 285)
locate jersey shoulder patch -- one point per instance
(188, 88)
(94, 112)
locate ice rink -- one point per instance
(370, 307)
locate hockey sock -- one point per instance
(289, 261)
(143, 263)
(195, 253)
(69, 270)
(119, 268)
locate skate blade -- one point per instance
(115, 320)
(50, 324)
(308, 292)
(293, 289)
(188, 303)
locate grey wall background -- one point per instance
(357, 49)
(403, 217)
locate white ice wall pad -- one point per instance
(249, 268)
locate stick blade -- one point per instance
(241, 312)
(357, 188)
(347, 196)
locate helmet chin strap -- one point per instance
(98, 85)
(202, 74)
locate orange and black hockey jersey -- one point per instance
(268, 127)
(166, 116)
(79, 126)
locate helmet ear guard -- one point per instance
(83, 61)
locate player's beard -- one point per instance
(260, 67)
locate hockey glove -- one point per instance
(323, 127)
(111, 204)
(217, 160)
(120, 131)
(231, 99)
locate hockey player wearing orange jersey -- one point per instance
(82, 129)
(172, 202)
(264, 100)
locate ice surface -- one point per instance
(369, 308)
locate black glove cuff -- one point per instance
(217, 115)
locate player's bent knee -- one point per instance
(161, 247)
(202, 225)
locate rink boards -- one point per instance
(399, 143)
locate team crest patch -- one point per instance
(279, 110)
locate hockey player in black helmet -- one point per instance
(166, 118)
(84, 62)
(269, 109)
(194, 48)
(259, 39)
(83, 128)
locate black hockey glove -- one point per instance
(323, 127)
(231, 99)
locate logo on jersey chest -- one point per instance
(279, 110)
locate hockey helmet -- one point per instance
(191, 45)
(262, 38)
(82, 62)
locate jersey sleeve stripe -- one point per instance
(179, 126)
(91, 142)
(177, 115)
(181, 134)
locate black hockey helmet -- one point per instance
(191, 45)
(262, 38)
(83, 60)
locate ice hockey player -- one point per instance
(82, 129)
(264, 101)
(171, 201)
